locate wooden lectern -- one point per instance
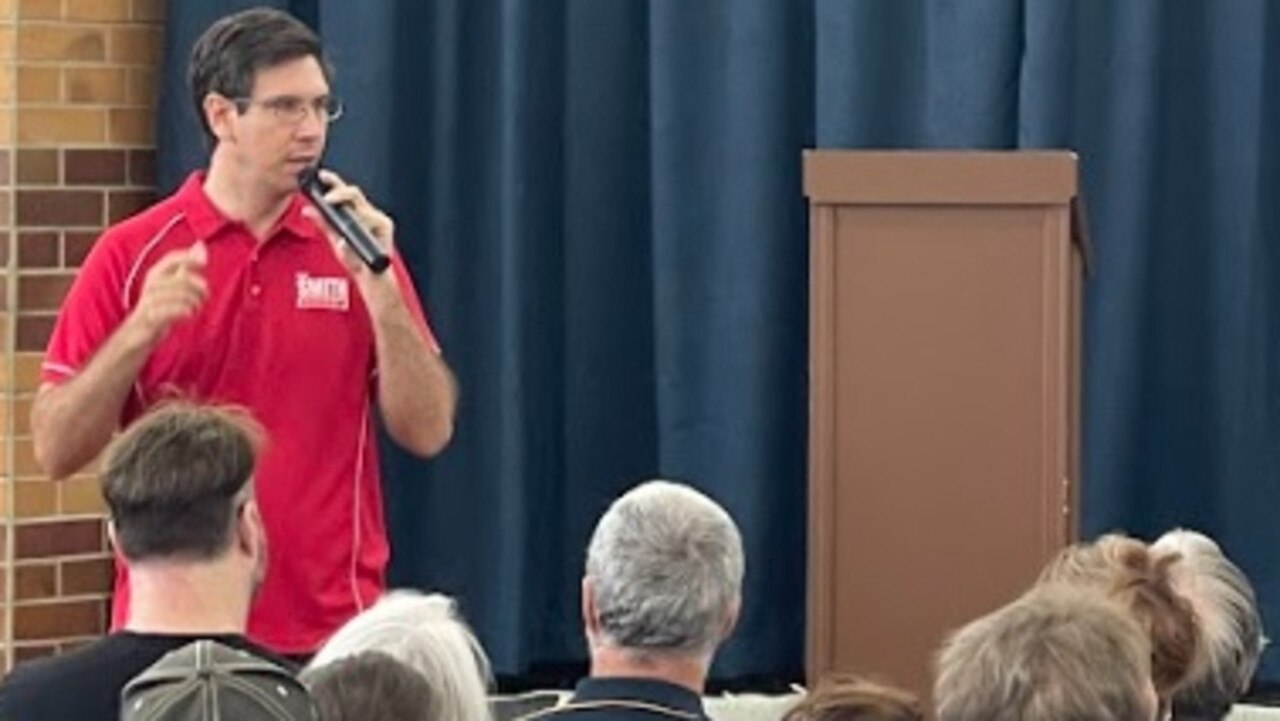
(944, 384)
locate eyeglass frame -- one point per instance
(321, 106)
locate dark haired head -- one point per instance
(228, 56)
(176, 478)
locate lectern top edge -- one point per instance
(933, 177)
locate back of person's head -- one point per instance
(1057, 654)
(664, 572)
(226, 59)
(1126, 569)
(425, 633)
(849, 698)
(1230, 623)
(370, 686)
(177, 480)
(208, 681)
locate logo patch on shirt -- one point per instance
(322, 293)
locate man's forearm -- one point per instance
(416, 391)
(72, 421)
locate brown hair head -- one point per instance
(176, 478)
(842, 697)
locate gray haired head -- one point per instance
(425, 633)
(1229, 620)
(665, 568)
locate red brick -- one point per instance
(77, 245)
(89, 576)
(123, 203)
(39, 249)
(94, 167)
(5, 177)
(42, 292)
(142, 168)
(59, 538)
(35, 581)
(43, 208)
(58, 620)
(33, 332)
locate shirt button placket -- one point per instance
(255, 286)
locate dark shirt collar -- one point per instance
(648, 690)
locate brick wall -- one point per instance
(77, 81)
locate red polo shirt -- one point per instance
(286, 334)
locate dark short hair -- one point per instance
(370, 686)
(844, 697)
(227, 57)
(173, 481)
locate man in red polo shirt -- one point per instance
(234, 290)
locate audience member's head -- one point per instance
(1230, 624)
(207, 681)
(663, 578)
(1127, 570)
(424, 633)
(1059, 653)
(849, 698)
(178, 487)
(370, 686)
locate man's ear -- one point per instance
(112, 536)
(590, 615)
(731, 618)
(220, 114)
(250, 534)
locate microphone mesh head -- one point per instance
(308, 176)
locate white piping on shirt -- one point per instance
(146, 250)
(355, 509)
(61, 368)
(133, 274)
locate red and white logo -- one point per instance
(322, 293)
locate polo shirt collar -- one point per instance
(653, 691)
(208, 221)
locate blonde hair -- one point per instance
(1056, 653)
(1126, 569)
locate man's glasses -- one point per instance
(293, 109)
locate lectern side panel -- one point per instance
(821, 571)
(939, 494)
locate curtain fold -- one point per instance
(601, 204)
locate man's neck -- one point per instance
(682, 670)
(242, 199)
(188, 598)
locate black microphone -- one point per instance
(343, 221)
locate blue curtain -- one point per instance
(600, 201)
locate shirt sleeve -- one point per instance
(94, 307)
